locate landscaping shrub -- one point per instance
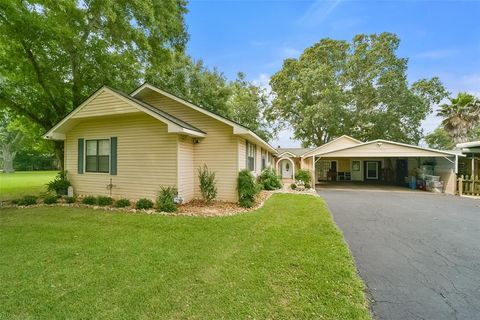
(27, 201)
(166, 199)
(104, 201)
(247, 188)
(91, 200)
(207, 183)
(293, 186)
(270, 180)
(70, 199)
(303, 175)
(144, 204)
(122, 203)
(307, 186)
(50, 199)
(60, 184)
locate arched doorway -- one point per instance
(286, 168)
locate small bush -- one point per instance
(27, 201)
(70, 199)
(293, 186)
(269, 179)
(50, 199)
(60, 184)
(166, 199)
(247, 188)
(104, 201)
(122, 203)
(307, 185)
(144, 204)
(207, 183)
(15, 201)
(303, 175)
(91, 200)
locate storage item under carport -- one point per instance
(434, 184)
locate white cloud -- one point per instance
(318, 12)
(437, 54)
(263, 81)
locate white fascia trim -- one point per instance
(468, 144)
(237, 129)
(312, 152)
(287, 152)
(172, 127)
(51, 133)
(395, 143)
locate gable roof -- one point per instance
(174, 124)
(393, 149)
(332, 145)
(295, 152)
(238, 129)
(159, 112)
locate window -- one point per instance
(251, 153)
(97, 157)
(264, 159)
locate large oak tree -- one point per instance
(53, 54)
(358, 88)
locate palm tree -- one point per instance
(460, 116)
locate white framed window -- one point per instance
(264, 159)
(97, 155)
(251, 155)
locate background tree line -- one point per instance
(54, 54)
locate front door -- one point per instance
(371, 170)
(287, 169)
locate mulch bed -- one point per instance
(198, 207)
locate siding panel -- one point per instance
(186, 170)
(105, 104)
(218, 150)
(146, 157)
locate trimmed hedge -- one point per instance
(269, 179)
(247, 188)
(144, 204)
(122, 203)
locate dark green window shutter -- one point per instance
(80, 156)
(246, 154)
(113, 156)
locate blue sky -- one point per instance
(440, 38)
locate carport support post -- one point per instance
(313, 172)
(472, 185)
(460, 185)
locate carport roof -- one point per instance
(384, 148)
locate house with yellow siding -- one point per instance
(128, 145)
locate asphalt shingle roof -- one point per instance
(161, 113)
(296, 151)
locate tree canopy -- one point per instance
(439, 139)
(358, 88)
(53, 54)
(460, 116)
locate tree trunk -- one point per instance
(8, 156)
(59, 153)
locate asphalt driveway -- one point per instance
(418, 253)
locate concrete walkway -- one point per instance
(418, 253)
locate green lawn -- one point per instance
(17, 184)
(286, 260)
